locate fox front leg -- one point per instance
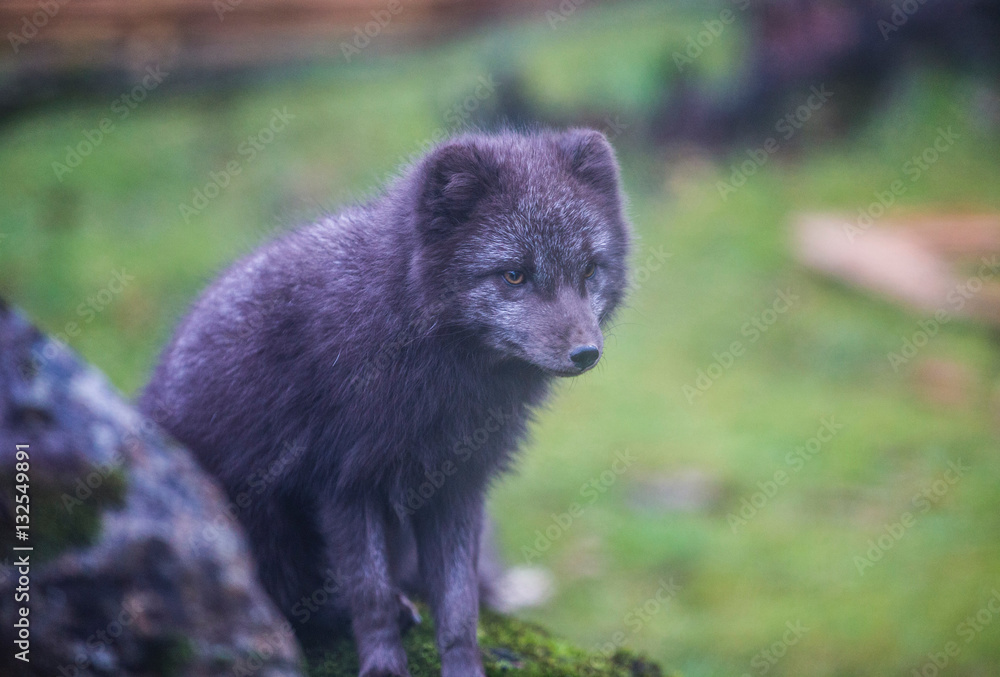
(356, 538)
(448, 544)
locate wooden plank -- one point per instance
(928, 262)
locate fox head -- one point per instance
(522, 243)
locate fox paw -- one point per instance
(464, 662)
(385, 663)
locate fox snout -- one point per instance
(584, 351)
(575, 341)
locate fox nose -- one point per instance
(584, 356)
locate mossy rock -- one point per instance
(511, 648)
(131, 541)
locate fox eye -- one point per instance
(513, 277)
(589, 271)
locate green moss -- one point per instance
(172, 655)
(510, 647)
(66, 513)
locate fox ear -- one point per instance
(457, 176)
(590, 158)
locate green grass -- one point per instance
(827, 356)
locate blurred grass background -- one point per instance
(737, 589)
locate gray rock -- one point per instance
(123, 580)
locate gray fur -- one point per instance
(384, 344)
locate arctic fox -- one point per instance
(359, 382)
